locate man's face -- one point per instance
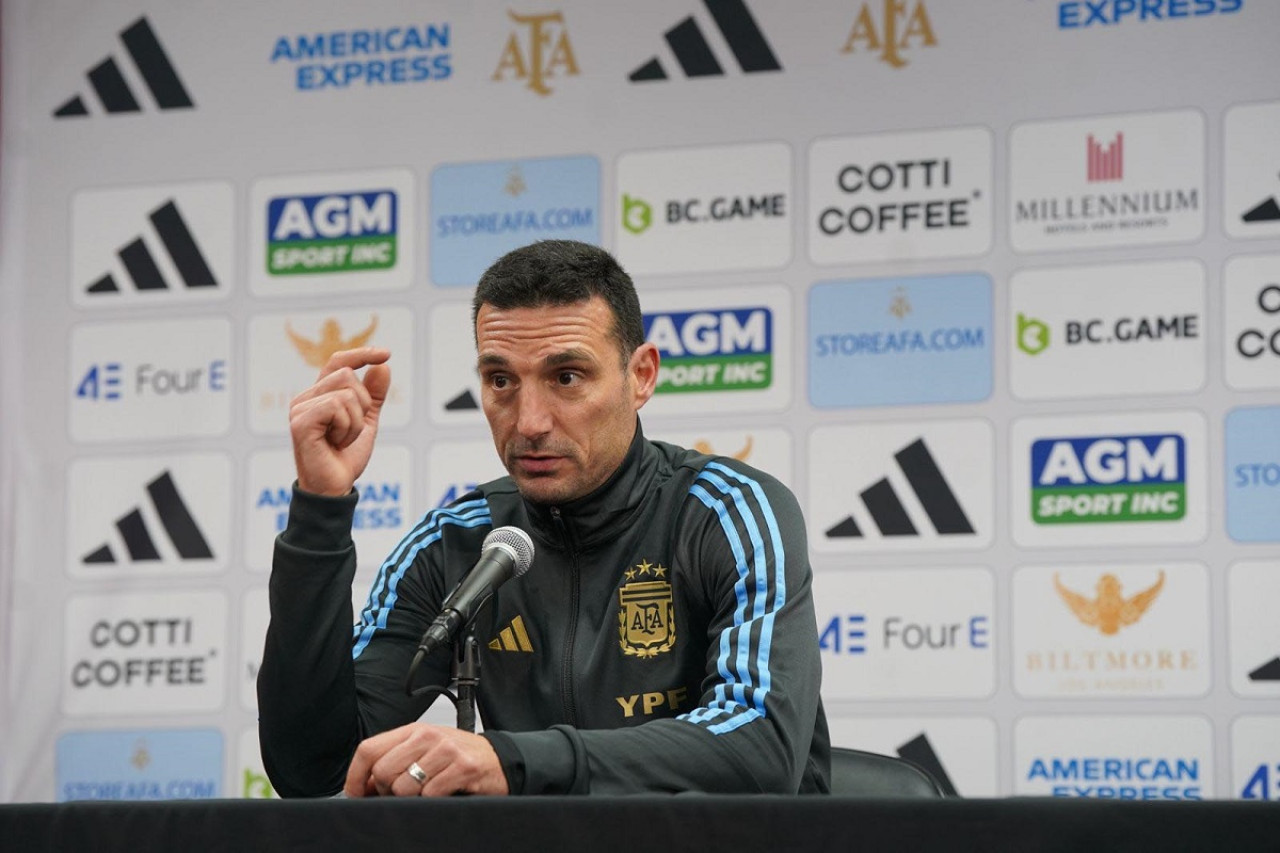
(559, 402)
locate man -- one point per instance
(665, 638)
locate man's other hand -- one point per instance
(443, 761)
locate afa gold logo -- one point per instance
(898, 29)
(515, 185)
(646, 612)
(316, 353)
(900, 305)
(141, 757)
(1109, 610)
(544, 53)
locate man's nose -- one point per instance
(534, 419)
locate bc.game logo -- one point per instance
(695, 55)
(112, 88)
(339, 232)
(1099, 479)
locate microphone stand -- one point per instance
(465, 672)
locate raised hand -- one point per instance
(334, 422)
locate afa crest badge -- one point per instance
(646, 613)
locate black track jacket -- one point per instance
(663, 640)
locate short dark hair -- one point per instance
(562, 272)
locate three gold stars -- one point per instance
(645, 568)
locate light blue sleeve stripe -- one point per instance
(375, 619)
(779, 571)
(761, 609)
(741, 630)
(739, 588)
(428, 522)
(735, 722)
(761, 601)
(757, 542)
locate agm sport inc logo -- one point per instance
(725, 350)
(336, 232)
(1099, 479)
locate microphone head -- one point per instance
(517, 542)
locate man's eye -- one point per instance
(498, 381)
(568, 378)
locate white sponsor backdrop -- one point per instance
(1008, 616)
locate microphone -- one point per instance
(507, 553)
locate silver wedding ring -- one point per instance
(419, 775)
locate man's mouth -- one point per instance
(538, 463)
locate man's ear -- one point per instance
(643, 371)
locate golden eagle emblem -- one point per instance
(704, 446)
(317, 352)
(1108, 610)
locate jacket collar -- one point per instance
(603, 512)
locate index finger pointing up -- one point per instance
(354, 359)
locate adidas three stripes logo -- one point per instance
(694, 53)
(176, 519)
(112, 88)
(178, 242)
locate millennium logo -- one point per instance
(693, 52)
(931, 489)
(1130, 207)
(111, 87)
(144, 273)
(175, 518)
(1104, 163)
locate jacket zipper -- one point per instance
(566, 674)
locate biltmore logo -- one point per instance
(338, 232)
(727, 350)
(1098, 479)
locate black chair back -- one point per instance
(855, 773)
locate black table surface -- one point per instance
(642, 824)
